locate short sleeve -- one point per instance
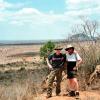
(50, 57)
(78, 56)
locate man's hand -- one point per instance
(51, 69)
(75, 68)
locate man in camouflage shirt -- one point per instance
(55, 62)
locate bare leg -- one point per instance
(73, 84)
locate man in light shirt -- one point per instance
(73, 61)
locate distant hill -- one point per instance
(28, 42)
(79, 37)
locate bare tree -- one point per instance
(88, 28)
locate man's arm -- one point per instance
(77, 64)
(48, 63)
(79, 61)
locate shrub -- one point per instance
(46, 49)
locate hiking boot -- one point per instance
(77, 93)
(72, 93)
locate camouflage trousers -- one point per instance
(56, 72)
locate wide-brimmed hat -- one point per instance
(69, 47)
(58, 48)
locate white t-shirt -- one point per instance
(73, 57)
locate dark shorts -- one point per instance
(70, 72)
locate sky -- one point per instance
(43, 19)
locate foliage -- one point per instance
(46, 49)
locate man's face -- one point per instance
(70, 50)
(58, 51)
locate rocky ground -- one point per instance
(83, 96)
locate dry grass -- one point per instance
(15, 92)
(27, 90)
(18, 91)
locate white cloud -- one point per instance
(88, 8)
(4, 5)
(81, 4)
(34, 16)
(28, 11)
(31, 17)
(77, 1)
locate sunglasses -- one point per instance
(58, 49)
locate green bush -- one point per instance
(46, 49)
